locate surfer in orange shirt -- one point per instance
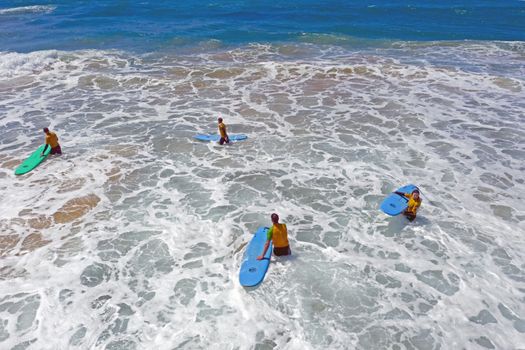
(51, 141)
(414, 202)
(279, 234)
(222, 131)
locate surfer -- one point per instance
(222, 131)
(51, 141)
(279, 234)
(414, 202)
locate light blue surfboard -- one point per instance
(216, 138)
(395, 204)
(252, 270)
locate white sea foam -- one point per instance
(13, 64)
(27, 9)
(149, 254)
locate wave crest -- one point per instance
(28, 9)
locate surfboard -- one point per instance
(32, 161)
(395, 204)
(252, 270)
(216, 138)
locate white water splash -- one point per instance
(155, 263)
(27, 10)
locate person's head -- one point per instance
(46, 130)
(220, 120)
(275, 218)
(415, 194)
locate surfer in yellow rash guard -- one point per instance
(222, 131)
(279, 234)
(51, 141)
(414, 202)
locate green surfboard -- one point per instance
(33, 161)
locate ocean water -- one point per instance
(134, 237)
(144, 26)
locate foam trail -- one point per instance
(27, 10)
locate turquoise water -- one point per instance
(142, 26)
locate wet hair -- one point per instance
(275, 217)
(46, 130)
(416, 191)
(220, 120)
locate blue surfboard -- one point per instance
(216, 138)
(252, 270)
(395, 204)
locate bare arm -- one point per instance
(407, 195)
(269, 235)
(266, 245)
(44, 150)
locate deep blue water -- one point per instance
(156, 25)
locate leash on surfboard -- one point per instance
(429, 201)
